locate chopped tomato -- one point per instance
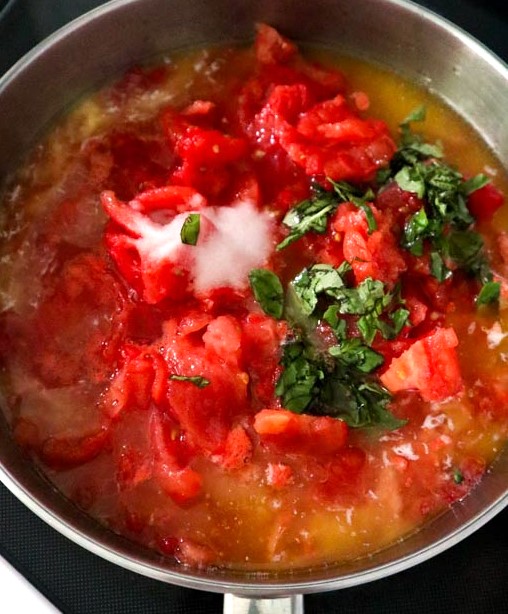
(261, 341)
(132, 386)
(171, 199)
(223, 337)
(206, 158)
(483, 203)
(342, 475)
(396, 205)
(194, 554)
(327, 139)
(179, 481)
(371, 253)
(74, 336)
(430, 366)
(126, 162)
(301, 433)
(237, 449)
(205, 413)
(465, 477)
(151, 255)
(271, 47)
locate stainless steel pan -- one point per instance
(99, 46)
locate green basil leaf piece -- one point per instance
(489, 293)
(338, 388)
(297, 383)
(309, 215)
(416, 115)
(268, 291)
(353, 352)
(474, 183)
(189, 233)
(409, 179)
(197, 380)
(438, 268)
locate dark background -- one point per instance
(470, 578)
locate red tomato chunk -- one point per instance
(429, 365)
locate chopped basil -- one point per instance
(332, 317)
(399, 319)
(475, 183)
(438, 268)
(312, 383)
(321, 278)
(360, 402)
(415, 231)
(190, 229)
(197, 380)
(353, 352)
(368, 300)
(410, 179)
(268, 291)
(489, 293)
(464, 248)
(412, 147)
(338, 381)
(443, 223)
(298, 383)
(458, 477)
(313, 213)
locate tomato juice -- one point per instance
(251, 315)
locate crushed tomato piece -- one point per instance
(430, 366)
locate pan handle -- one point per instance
(280, 605)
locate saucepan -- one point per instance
(395, 34)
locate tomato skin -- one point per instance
(132, 386)
(179, 481)
(483, 203)
(62, 453)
